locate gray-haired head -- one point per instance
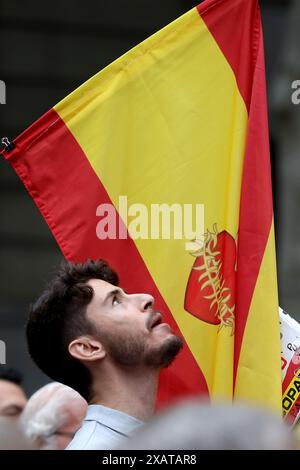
(52, 416)
(196, 425)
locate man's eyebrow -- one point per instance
(112, 293)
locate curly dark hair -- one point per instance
(59, 316)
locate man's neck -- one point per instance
(131, 392)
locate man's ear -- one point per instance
(86, 349)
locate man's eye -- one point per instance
(12, 411)
(115, 301)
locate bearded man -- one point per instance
(86, 332)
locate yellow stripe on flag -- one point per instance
(259, 350)
(147, 140)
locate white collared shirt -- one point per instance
(103, 429)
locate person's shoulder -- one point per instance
(94, 436)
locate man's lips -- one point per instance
(157, 320)
(163, 325)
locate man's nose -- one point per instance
(145, 302)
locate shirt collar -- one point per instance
(114, 419)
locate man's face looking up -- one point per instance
(131, 331)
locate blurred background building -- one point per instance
(47, 49)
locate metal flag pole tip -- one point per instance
(8, 144)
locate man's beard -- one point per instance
(133, 351)
(164, 355)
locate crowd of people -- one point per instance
(50, 418)
(47, 420)
(104, 349)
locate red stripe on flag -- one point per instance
(236, 26)
(256, 211)
(67, 191)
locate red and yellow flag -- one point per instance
(179, 119)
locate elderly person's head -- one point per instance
(12, 395)
(52, 416)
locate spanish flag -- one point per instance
(180, 120)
